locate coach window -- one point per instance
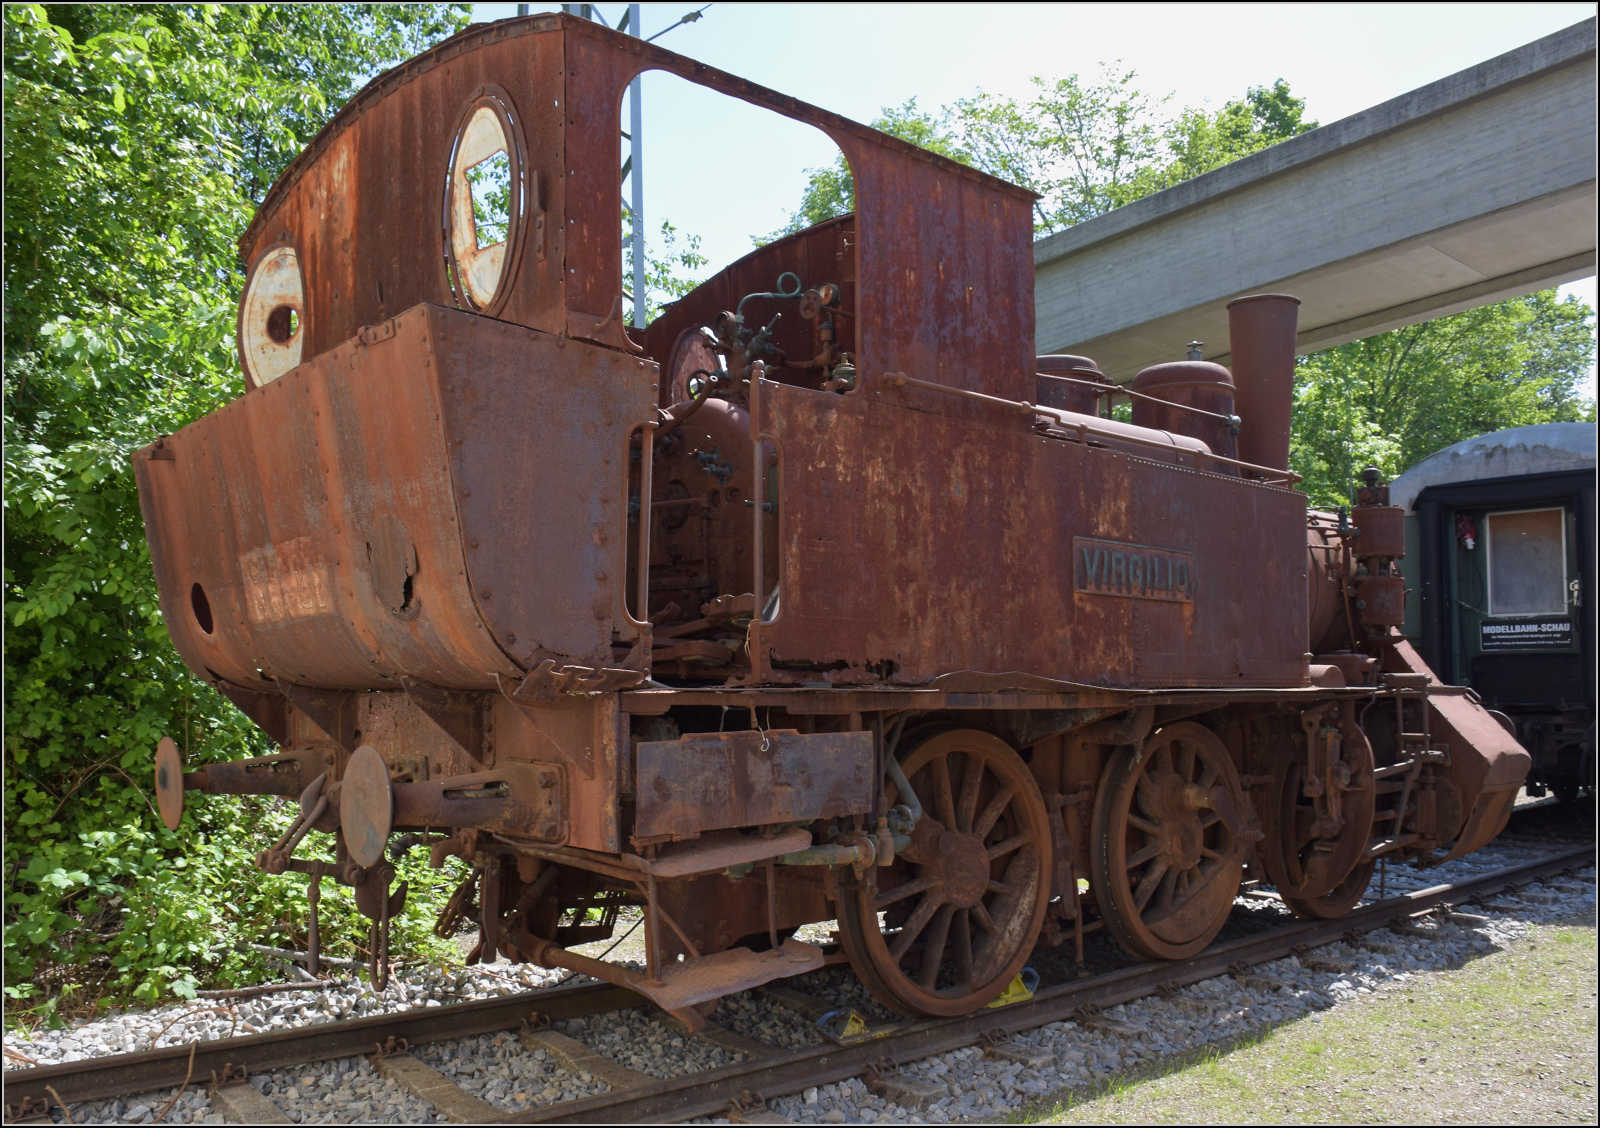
(1527, 562)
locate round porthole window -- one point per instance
(272, 316)
(485, 202)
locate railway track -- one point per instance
(734, 1090)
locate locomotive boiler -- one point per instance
(821, 599)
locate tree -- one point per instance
(1084, 146)
(1391, 400)
(1080, 145)
(138, 140)
(831, 191)
(670, 264)
(1197, 142)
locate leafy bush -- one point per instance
(138, 142)
(1390, 401)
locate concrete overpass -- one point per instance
(1476, 188)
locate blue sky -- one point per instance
(725, 171)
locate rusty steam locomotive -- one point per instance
(823, 599)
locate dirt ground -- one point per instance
(1509, 1038)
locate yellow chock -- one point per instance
(847, 1027)
(1020, 989)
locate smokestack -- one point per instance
(1261, 332)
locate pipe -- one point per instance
(1261, 337)
(861, 855)
(277, 774)
(897, 776)
(540, 951)
(679, 413)
(1110, 432)
(1110, 389)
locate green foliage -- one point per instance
(670, 265)
(1080, 145)
(1389, 401)
(489, 181)
(1197, 142)
(138, 140)
(1085, 146)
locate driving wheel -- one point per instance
(946, 928)
(1338, 900)
(1319, 819)
(1168, 842)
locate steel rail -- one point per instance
(711, 1092)
(120, 1075)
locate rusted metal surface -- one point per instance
(1486, 765)
(721, 851)
(583, 733)
(750, 779)
(1171, 833)
(1318, 811)
(973, 882)
(302, 505)
(384, 160)
(364, 203)
(169, 782)
(366, 805)
(518, 797)
(819, 255)
(1076, 391)
(914, 544)
(682, 985)
(640, 619)
(941, 249)
(1261, 334)
(1192, 384)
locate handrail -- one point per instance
(758, 488)
(646, 454)
(1022, 407)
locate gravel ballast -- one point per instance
(502, 1070)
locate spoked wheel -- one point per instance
(947, 927)
(1318, 825)
(1168, 843)
(1338, 900)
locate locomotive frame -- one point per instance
(818, 600)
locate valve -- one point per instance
(761, 344)
(843, 378)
